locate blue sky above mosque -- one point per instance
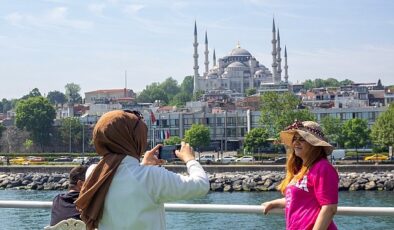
(46, 44)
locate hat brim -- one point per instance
(287, 139)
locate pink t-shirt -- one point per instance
(304, 198)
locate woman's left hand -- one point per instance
(150, 157)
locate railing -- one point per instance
(219, 208)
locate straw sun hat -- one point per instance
(310, 131)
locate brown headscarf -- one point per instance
(117, 134)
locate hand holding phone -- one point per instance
(186, 152)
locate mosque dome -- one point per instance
(238, 51)
(236, 64)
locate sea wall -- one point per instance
(219, 182)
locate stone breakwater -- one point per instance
(219, 182)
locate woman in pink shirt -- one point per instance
(311, 183)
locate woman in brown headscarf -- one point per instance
(121, 192)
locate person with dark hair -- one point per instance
(311, 183)
(63, 206)
(124, 193)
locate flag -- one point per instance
(167, 134)
(152, 117)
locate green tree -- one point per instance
(72, 93)
(28, 144)
(173, 141)
(383, 129)
(331, 82)
(180, 99)
(280, 110)
(170, 87)
(36, 115)
(187, 85)
(56, 97)
(251, 91)
(71, 131)
(346, 82)
(332, 128)
(256, 139)
(355, 133)
(34, 93)
(198, 136)
(151, 93)
(2, 129)
(197, 95)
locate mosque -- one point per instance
(239, 70)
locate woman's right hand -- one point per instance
(278, 203)
(186, 152)
(267, 207)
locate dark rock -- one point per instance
(389, 185)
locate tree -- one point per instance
(72, 93)
(170, 87)
(2, 129)
(332, 128)
(355, 133)
(34, 93)
(71, 131)
(198, 136)
(256, 139)
(56, 97)
(251, 91)
(36, 115)
(28, 144)
(180, 99)
(383, 129)
(280, 110)
(346, 82)
(13, 139)
(151, 93)
(187, 85)
(173, 141)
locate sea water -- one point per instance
(11, 219)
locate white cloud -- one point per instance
(133, 8)
(56, 17)
(96, 8)
(14, 18)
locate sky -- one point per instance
(46, 44)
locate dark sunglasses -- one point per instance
(299, 139)
(136, 113)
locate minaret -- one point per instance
(214, 58)
(279, 60)
(274, 62)
(206, 63)
(286, 67)
(195, 57)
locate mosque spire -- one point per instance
(214, 58)
(279, 60)
(274, 61)
(195, 57)
(206, 63)
(286, 67)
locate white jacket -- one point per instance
(135, 199)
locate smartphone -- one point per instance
(167, 152)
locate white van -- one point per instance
(337, 154)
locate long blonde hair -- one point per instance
(296, 168)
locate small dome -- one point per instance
(236, 64)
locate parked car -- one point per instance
(18, 161)
(207, 159)
(63, 159)
(245, 159)
(80, 160)
(93, 160)
(280, 160)
(376, 157)
(226, 159)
